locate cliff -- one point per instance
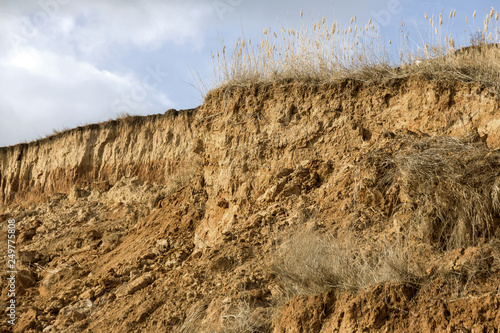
(153, 147)
(185, 221)
(149, 146)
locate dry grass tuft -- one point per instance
(57, 132)
(125, 117)
(450, 188)
(452, 191)
(193, 319)
(325, 52)
(311, 263)
(477, 63)
(244, 319)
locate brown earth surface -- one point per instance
(179, 222)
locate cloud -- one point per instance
(55, 62)
(94, 27)
(45, 90)
(100, 27)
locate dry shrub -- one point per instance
(450, 187)
(399, 261)
(125, 118)
(310, 263)
(226, 318)
(123, 115)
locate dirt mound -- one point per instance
(270, 208)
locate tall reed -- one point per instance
(325, 52)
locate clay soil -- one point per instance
(233, 228)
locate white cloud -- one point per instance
(53, 61)
(99, 28)
(44, 91)
(94, 27)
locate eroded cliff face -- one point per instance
(171, 221)
(149, 147)
(287, 116)
(239, 122)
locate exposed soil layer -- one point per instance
(174, 222)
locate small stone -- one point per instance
(171, 263)
(284, 172)
(25, 279)
(74, 194)
(41, 229)
(111, 297)
(134, 286)
(49, 329)
(26, 235)
(88, 294)
(162, 245)
(252, 222)
(139, 283)
(148, 255)
(75, 312)
(223, 203)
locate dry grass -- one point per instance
(244, 319)
(446, 193)
(327, 52)
(57, 132)
(193, 319)
(450, 187)
(443, 191)
(311, 263)
(123, 115)
(236, 318)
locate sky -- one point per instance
(66, 63)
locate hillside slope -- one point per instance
(222, 218)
